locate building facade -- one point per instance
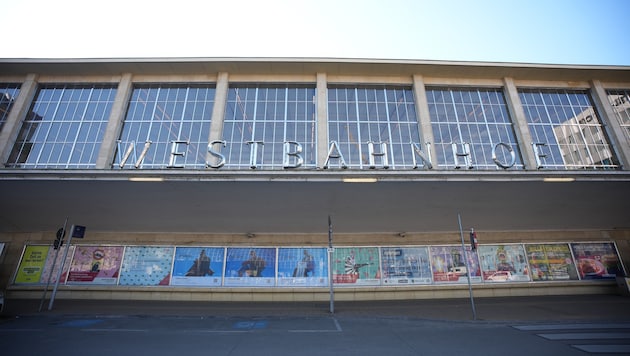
(271, 179)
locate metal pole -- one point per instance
(65, 254)
(41, 303)
(330, 272)
(472, 301)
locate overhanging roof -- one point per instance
(299, 202)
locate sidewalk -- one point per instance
(577, 308)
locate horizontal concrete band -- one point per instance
(317, 294)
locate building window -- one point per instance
(8, 93)
(472, 129)
(566, 130)
(620, 102)
(166, 126)
(64, 127)
(270, 127)
(373, 126)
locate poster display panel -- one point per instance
(48, 271)
(597, 260)
(198, 266)
(250, 267)
(449, 265)
(503, 263)
(146, 266)
(302, 267)
(550, 262)
(32, 264)
(356, 266)
(405, 265)
(95, 265)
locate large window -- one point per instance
(167, 126)
(8, 93)
(64, 127)
(620, 101)
(373, 126)
(472, 129)
(270, 127)
(566, 130)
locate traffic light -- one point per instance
(473, 240)
(59, 240)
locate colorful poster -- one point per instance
(95, 265)
(198, 266)
(597, 260)
(448, 264)
(405, 265)
(302, 267)
(50, 260)
(146, 266)
(250, 267)
(356, 266)
(503, 263)
(550, 262)
(32, 264)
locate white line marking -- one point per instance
(585, 336)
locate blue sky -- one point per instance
(524, 31)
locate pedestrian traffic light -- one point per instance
(59, 240)
(473, 240)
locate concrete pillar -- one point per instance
(519, 122)
(424, 117)
(322, 119)
(611, 125)
(218, 110)
(115, 123)
(18, 113)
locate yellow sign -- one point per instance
(32, 264)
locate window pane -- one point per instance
(64, 127)
(567, 130)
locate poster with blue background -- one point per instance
(250, 266)
(302, 267)
(198, 266)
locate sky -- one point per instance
(591, 32)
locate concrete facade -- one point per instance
(289, 207)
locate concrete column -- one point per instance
(114, 125)
(18, 113)
(423, 116)
(322, 119)
(218, 109)
(519, 122)
(613, 128)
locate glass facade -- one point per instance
(376, 123)
(8, 93)
(566, 130)
(270, 127)
(620, 102)
(167, 126)
(472, 129)
(64, 127)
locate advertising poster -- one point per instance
(356, 266)
(32, 264)
(198, 266)
(597, 260)
(95, 265)
(503, 263)
(302, 267)
(48, 266)
(448, 264)
(146, 266)
(550, 262)
(250, 267)
(405, 265)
